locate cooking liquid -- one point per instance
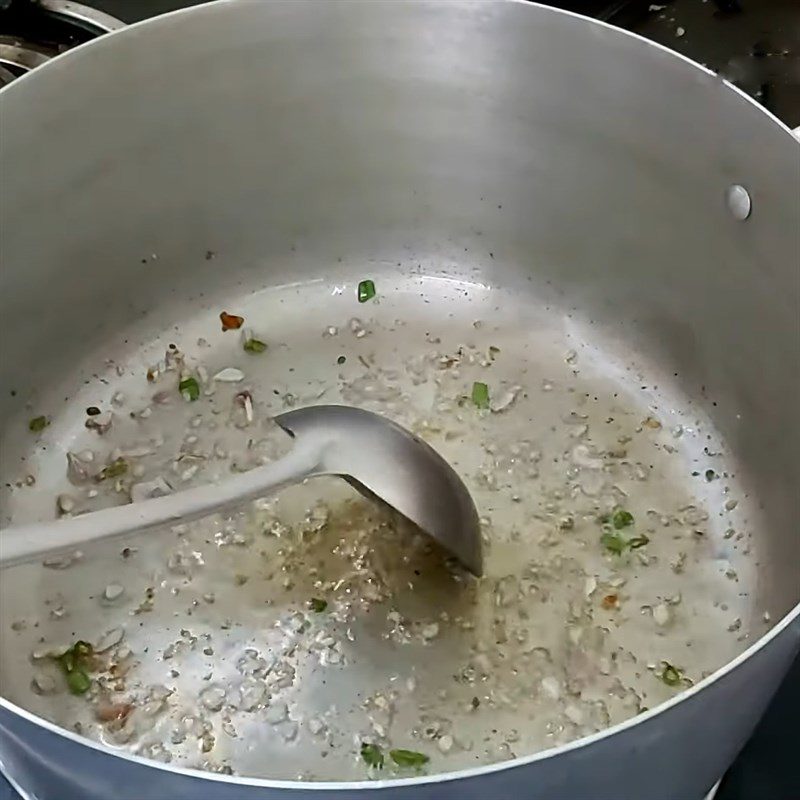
(277, 641)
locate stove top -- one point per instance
(31, 33)
(753, 43)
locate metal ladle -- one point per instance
(378, 457)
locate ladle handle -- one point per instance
(23, 542)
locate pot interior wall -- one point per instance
(489, 142)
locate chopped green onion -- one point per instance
(38, 424)
(341, 360)
(82, 649)
(371, 755)
(189, 389)
(408, 758)
(621, 519)
(480, 395)
(74, 664)
(78, 681)
(613, 542)
(672, 676)
(710, 474)
(616, 543)
(113, 470)
(317, 605)
(254, 346)
(366, 291)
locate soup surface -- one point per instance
(313, 635)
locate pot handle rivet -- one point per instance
(739, 203)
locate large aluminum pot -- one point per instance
(365, 128)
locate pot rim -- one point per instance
(440, 777)
(443, 777)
